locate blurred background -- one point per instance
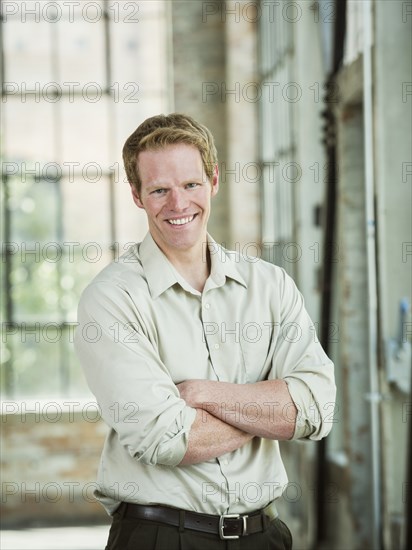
(310, 103)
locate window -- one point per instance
(78, 79)
(277, 145)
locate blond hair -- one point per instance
(161, 130)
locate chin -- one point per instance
(183, 244)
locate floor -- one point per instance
(57, 538)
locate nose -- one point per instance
(177, 201)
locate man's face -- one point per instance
(176, 195)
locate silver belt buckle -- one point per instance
(222, 526)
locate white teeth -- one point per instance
(181, 221)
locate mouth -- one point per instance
(179, 222)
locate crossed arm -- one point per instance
(229, 415)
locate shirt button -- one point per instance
(207, 306)
(217, 346)
(226, 462)
(237, 499)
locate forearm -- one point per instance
(210, 437)
(263, 409)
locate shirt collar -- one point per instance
(223, 264)
(161, 274)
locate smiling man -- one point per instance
(176, 194)
(204, 361)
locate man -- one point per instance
(200, 360)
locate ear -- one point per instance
(215, 180)
(136, 198)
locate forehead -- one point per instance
(173, 162)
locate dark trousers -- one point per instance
(140, 534)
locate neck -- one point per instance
(193, 265)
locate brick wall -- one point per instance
(49, 462)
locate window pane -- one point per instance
(81, 52)
(27, 50)
(128, 116)
(28, 128)
(86, 207)
(34, 210)
(3, 260)
(36, 362)
(85, 132)
(6, 371)
(135, 61)
(34, 234)
(34, 287)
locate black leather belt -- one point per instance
(227, 526)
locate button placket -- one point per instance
(213, 345)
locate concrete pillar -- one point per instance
(199, 65)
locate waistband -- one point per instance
(226, 526)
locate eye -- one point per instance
(158, 191)
(192, 185)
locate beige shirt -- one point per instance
(143, 329)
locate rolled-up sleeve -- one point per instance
(133, 388)
(300, 360)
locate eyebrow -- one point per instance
(165, 186)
